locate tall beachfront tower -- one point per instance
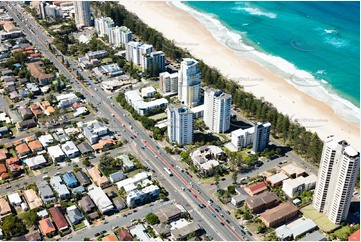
(261, 136)
(180, 124)
(82, 13)
(217, 110)
(189, 82)
(103, 26)
(336, 179)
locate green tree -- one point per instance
(86, 162)
(13, 227)
(29, 218)
(152, 219)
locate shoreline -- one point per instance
(311, 113)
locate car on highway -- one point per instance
(222, 224)
(216, 210)
(199, 191)
(201, 205)
(194, 195)
(96, 234)
(228, 221)
(214, 216)
(9, 186)
(218, 207)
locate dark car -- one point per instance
(216, 210)
(218, 207)
(201, 205)
(228, 221)
(103, 232)
(96, 234)
(222, 224)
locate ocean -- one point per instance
(315, 46)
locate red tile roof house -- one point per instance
(355, 236)
(47, 227)
(14, 165)
(38, 73)
(255, 188)
(3, 172)
(59, 219)
(124, 235)
(35, 146)
(22, 150)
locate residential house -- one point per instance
(138, 197)
(74, 215)
(240, 198)
(88, 206)
(60, 135)
(116, 176)
(5, 209)
(46, 140)
(43, 214)
(66, 100)
(183, 232)
(36, 70)
(22, 150)
(102, 144)
(34, 236)
(93, 130)
(59, 219)
(124, 235)
(259, 203)
(56, 153)
(255, 188)
(70, 180)
(70, 149)
(83, 178)
(26, 124)
(279, 215)
(36, 162)
(85, 148)
(98, 177)
(276, 179)
(294, 187)
(293, 170)
(14, 165)
(3, 172)
(128, 165)
(169, 213)
(47, 108)
(25, 112)
(100, 199)
(33, 88)
(47, 227)
(59, 187)
(35, 146)
(45, 192)
(109, 238)
(32, 199)
(14, 199)
(36, 110)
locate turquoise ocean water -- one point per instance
(314, 45)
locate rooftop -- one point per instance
(276, 178)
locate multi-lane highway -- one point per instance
(219, 225)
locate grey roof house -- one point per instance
(45, 192)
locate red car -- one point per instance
(195, 195)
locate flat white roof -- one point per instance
(46, 139)
(55, 151)
(197, 109)
(277, 177)
(100, 199)
(66, 96)
(240, 132)
(351, 151)
(14, 198)
(209, 164)
(35, 161)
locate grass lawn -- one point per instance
(79, 226)
(319, 218)
(133, 173)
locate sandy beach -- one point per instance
(187, 32)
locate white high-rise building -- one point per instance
(242, 138)
(103, 26)
(168, 82)
(120, 36)
(180, 124)
(155, 60)
(135, 50)
(82, 13)
(217, 110)
(337, 176)
(261, 136)
(189, 82)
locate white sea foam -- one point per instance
(253, 10)
(300, 79)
